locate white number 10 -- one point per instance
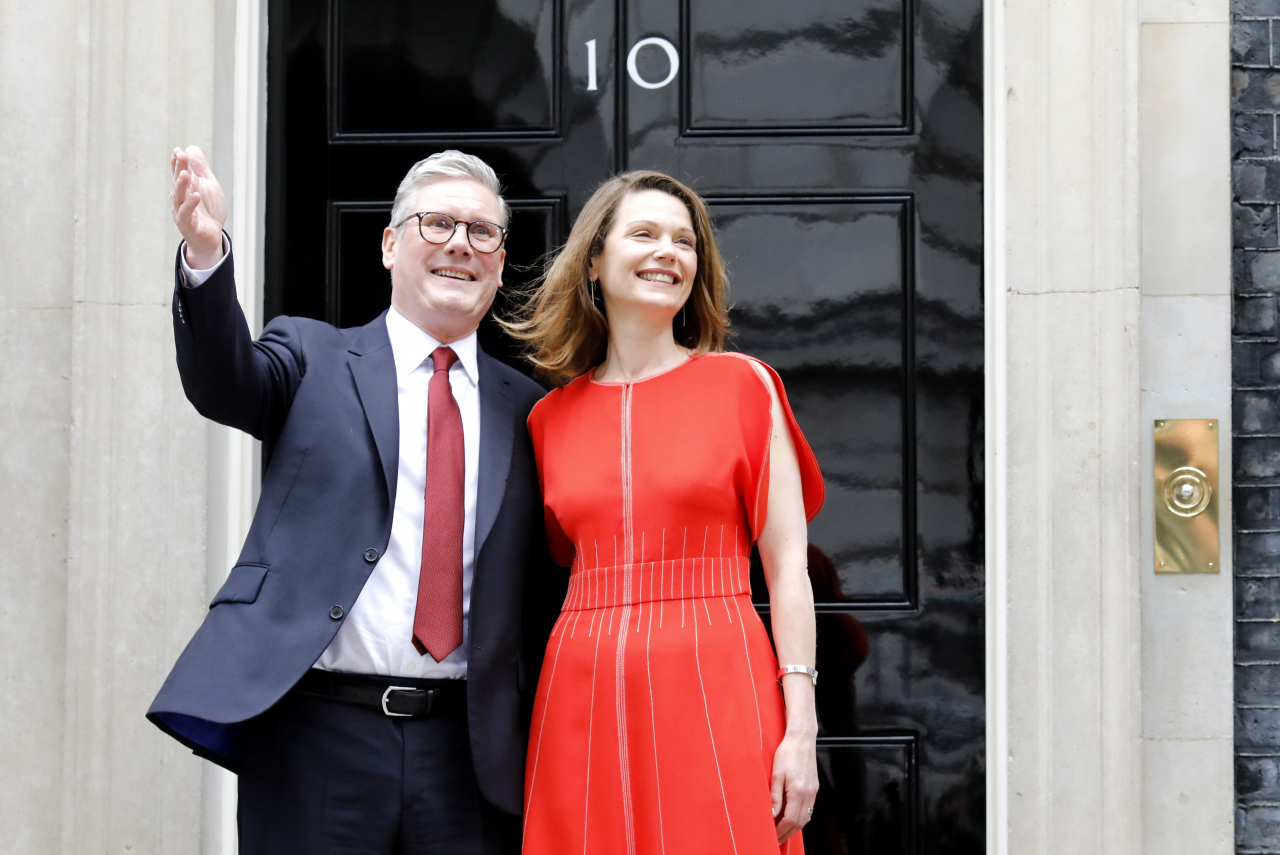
(673, 60)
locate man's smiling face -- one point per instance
(445, 288)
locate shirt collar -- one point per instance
(411, 346)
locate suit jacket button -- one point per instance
(336, 612)
(371, 555)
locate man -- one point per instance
(362, 668)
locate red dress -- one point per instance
(658, 709)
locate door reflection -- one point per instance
(866, 781)
(398, 73)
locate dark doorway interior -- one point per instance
(839, 145)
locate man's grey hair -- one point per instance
(438, 167)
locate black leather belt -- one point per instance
(399, 697)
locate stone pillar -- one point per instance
(1063, 238)
(102, 528)
(1108, 307)
(1187, 722)
(136, 557)
(37, 222)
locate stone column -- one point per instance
(135, 573)
(1063, 238)
(37, 223)
(1187, 722)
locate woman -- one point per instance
(662, 722)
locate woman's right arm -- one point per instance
(783, 546)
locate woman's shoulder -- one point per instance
(558, 399)
(738, 368)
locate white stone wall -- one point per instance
(1188, 802)
(1063, 301)
(104, 464)
(37, 227)
(1108, 253)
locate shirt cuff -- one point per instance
(196, 278)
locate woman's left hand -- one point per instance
(795, 783)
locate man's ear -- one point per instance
(502, 262)
(389, 237)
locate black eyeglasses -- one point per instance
(439, 228)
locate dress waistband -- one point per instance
(650, 581)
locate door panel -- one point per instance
(818, 293)
(438, 70)
(759, 66)
(866, 797)
(839, 147)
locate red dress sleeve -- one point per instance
(813, 488)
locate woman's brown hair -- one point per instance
(567, 331)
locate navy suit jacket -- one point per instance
(323, 401)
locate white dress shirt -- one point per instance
(377, 635)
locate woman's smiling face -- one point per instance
(650, 255)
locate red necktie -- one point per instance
(437, 623)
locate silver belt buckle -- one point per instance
(387, 694)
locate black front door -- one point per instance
(839, 145)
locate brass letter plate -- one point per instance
(1186, 495)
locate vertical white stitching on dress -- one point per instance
(612, 572)
(653, 723)
(591, 713)
(627, 520)
(751, 677)
(682, 549)
(620, 679)
(640, 612)
(705, 534)
(723, 590)
(546, 702)
(580, 595)
(624, 760)
(737, 569)
(591, 596)
(720, 555)
(662, 578)
(640, 606)
(586, 597)
(580, 560)
(712, 737)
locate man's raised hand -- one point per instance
(198, 205)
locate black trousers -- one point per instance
(326, 778)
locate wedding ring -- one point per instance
(810, 810)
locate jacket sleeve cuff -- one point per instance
(196, 278)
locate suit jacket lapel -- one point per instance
(373, 366)
(497, 434)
